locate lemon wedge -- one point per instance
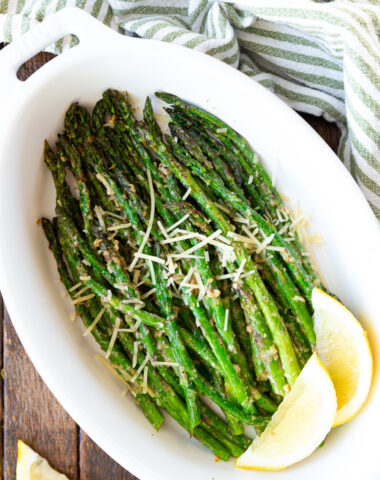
(343, 348)
(300, 424)
(31, 466)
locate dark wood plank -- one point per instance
(1, 382)
(30, 66)
(327, 130)
(97, 465)
(32, 414)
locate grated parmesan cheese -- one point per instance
(83, 299)
(250, 235)
(241, 238)
(187, 193)
(275, 248)
(239, 271)
(140, 369)
(121, 226)
(147, 294)
(165, 364)
(75, 287)
(113, 337)
(163, 231)
(222, 207)
(226, 320)
(180, 238)
(114, 215)
(99, 213)
(113, 370)
(136, 275)
(152, 274)
(133, 328)
(240, 220)
(107, 186)
(150, 222)
(82, 290)
(198, 246)
(265, 243)
(94, 323)
(183, 219)
(187, 277)
(145, 380)
(297, 298)
(284, 228)
(135, 352)
(151, 258)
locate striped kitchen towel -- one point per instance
(320, 58)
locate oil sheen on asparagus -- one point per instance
(183, 263)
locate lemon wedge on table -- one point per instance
(31, 466)
(300, 424)
(343, 348)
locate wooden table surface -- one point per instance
(31, 413)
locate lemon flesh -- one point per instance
(300, 424)
(343, 348)
(31, 466)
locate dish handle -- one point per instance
(67, 21)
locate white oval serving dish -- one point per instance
(307, 171)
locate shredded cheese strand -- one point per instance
(180, 238)
(187, 193)
(75, 287)
(167, 364)
(283, 229)
(110, 367)
(250, 235)
(198, 246)
(135, 352)
(145, 380)
(84, 278)
(113, 337)
(94, 323)
(83, 299)
(226, 320)
(152, 274)
(187, 277)
(82, 290)
(121, 226)
(147, 294)
(265, 243)
(114, 215)
(175, 225)
(99, 213)
(152, 258)
(239, 271)
(150, 223)
(163, 231)
(297, 298)
(140, 369)
(240, 238)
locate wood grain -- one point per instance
(96, 464)
(327, 130)
(32, 414)
(1, 382)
